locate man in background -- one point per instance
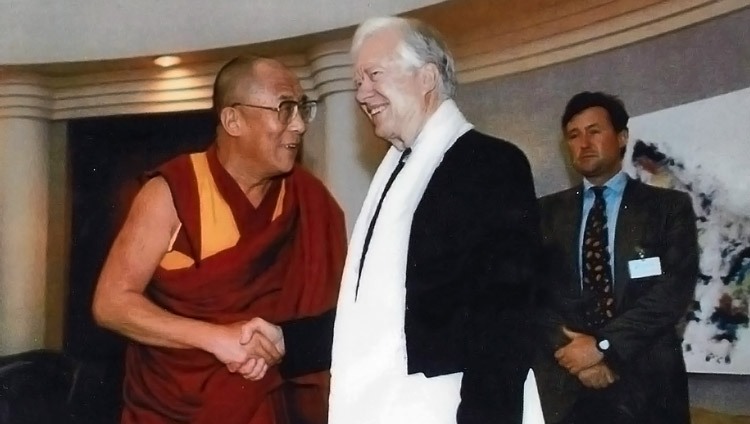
(623, 262)
(214, 239)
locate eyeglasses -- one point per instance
(288, 109)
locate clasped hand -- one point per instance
(249, 348)
(582, 359)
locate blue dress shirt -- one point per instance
(613, 190)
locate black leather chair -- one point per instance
(45, 386)
(37, 387)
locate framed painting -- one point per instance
(703, 148)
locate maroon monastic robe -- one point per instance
(231, 262)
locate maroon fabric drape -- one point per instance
(282, 269)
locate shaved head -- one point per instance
(255, 136)
(240, 77)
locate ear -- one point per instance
(230, 121)
(429, 77)
(622, 138)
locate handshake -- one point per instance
(248, 348)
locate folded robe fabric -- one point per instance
(231, 262)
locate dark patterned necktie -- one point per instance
(371, 228)
(597, 272)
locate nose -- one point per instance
(364, 90)
(585, 140)
(297, 124)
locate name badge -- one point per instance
(646, 267)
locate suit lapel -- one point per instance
(627, 236)
(571, 236)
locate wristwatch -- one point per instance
(602, 344)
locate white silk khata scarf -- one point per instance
(369, 379)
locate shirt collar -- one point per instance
(616, 184)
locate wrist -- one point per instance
(205, 337)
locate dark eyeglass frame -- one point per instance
(310, 105)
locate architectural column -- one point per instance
(351, 153)
(24, 131)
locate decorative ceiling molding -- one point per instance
(330, 66)
(147, 91)
(25, 96)
(326, 68)
(597, 37)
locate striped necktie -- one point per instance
(597, 272)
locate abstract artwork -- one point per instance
(703, 148)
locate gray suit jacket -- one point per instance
(646, 350)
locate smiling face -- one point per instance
(594, 145)
(395, 97)
(271, 146)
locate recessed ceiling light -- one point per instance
(167, 61)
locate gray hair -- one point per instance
(420, 44)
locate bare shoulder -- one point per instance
(141, 243)
(153, 206)
(156, 189)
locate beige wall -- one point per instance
(23, 232)
(58, 237)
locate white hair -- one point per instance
(420, 44)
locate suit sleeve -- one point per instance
(308, 343)
(658, 310)
(554, 309)
(500, 290)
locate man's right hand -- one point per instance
(258, 333)
(598, 376)
(228, 347)
(579, 354)
(248, 347)
(225, 345)
(264, 340)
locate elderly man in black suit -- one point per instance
(623, 262)
(432, 324)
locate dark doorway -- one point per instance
(108, 159)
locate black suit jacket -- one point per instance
(469, 281)
(645, 348)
